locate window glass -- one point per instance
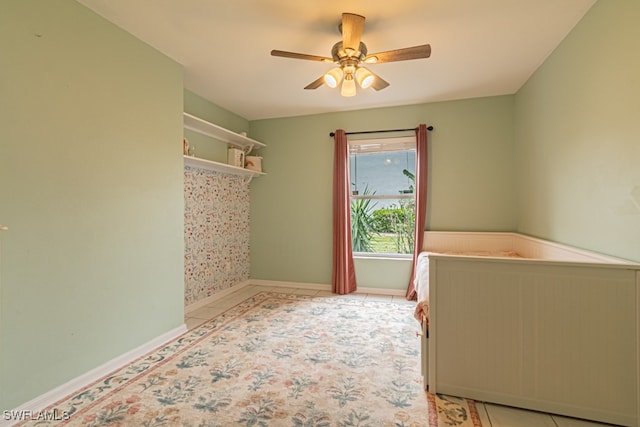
(383, 173)
(382, 199)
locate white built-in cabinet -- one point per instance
(226, 136)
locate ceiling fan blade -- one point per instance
(352, 27)
(316, 83)
(378, 82)
(415, 52)
(294, 55)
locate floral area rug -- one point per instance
(276, 360)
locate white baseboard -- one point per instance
(220, 294)
(284, 284)
(279, 284)
(381, 291)
(52, 396)
(326, 287)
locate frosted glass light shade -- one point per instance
(348, 86)
(364, 77)
(333, 77)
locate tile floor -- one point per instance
(491, 415)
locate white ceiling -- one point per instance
(479, 47)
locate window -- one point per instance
(382, 173)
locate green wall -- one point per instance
(577, 145)
(470, 184)
(91, 188)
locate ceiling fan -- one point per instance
(350, 54)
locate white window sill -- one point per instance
(392, 257)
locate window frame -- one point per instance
(380, 145)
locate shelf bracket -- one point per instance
(247, 179)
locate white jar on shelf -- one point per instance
(254, 163)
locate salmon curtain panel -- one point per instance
(422, 173)
(343, 278)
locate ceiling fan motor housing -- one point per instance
(339, 54)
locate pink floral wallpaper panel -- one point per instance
(216, 232)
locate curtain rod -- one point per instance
(332, 134)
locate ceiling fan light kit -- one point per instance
(350, 53)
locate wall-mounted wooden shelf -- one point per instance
(214, 131)
(220, 167)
